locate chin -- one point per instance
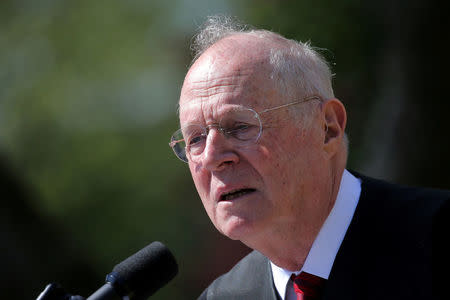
(237, 228)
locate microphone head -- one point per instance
(142, 274)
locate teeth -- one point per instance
(236, 194)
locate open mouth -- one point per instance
(236, 194)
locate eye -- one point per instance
(242, 131)
(238, 127)
(193, 134)
(196, 139)
(196, 143)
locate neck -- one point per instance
(287, 243)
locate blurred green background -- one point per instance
(88, 94)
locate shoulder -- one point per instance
(401, 212)
(403, 229)
(249, 278)
(395, 229)
(400, 201)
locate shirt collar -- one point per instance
(326, 245)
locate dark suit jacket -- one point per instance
(386, 253)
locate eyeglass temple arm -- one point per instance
(292, 103)
(172, 143)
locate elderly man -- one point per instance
(265, 141)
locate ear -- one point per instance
(335, 120)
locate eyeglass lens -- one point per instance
(242, 126)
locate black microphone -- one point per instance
(140, 275)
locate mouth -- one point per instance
(236, 194)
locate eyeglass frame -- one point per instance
(222, 130)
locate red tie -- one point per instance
(308, 286)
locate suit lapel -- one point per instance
(251, 279)
(348, 278)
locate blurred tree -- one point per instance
(34, 250)
(403, 136)
(88, 93)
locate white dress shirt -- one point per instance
(326, 245)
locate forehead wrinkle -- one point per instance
(219, 77)
(223, 84)
(213, 90)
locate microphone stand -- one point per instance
(54, 291)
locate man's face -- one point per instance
(250, 191)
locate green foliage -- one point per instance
(88, 93)
(88, 100)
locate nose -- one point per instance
(219, 151)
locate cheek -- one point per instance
(201, 181)
(286, 160)
(282, 147)
(272, 164)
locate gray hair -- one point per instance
(297, 67)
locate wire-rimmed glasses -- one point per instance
(241, 125)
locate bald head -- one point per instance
(237, 64)
(238, 51)
(296, 68)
